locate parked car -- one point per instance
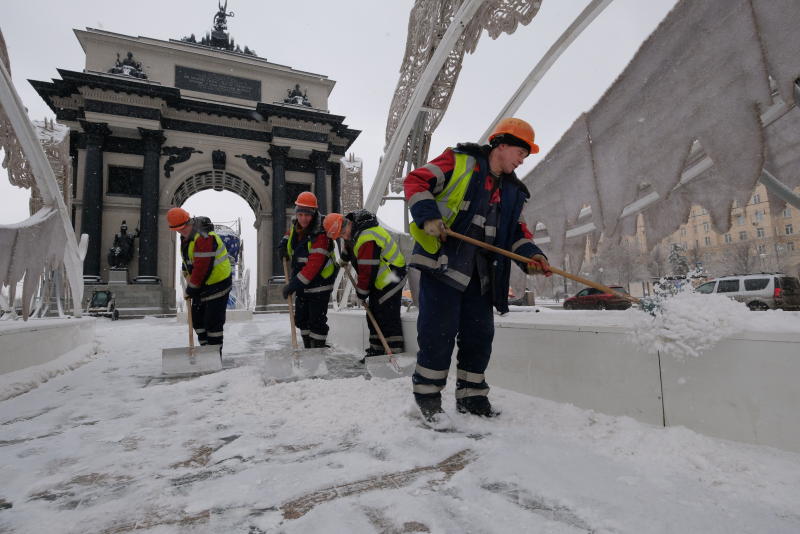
(594, 299)
(765, 291)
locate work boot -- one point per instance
(307, 341)
(318, 343)
(429, 405)
(476, 405)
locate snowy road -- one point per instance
(105, 448)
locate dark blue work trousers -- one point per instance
(448, 316)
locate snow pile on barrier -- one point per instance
(690, 323)
(21, 381)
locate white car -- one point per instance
(765, 291)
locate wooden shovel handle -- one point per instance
(289, 301)
(189, 320)
(370, 316)
(556, 270)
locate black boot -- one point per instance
(307, 341)
(430, 405)
(318, 343)
(476, 405)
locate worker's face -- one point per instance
(304, 219)
(185, 231)
(510, 157)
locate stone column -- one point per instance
(279, 154)
(336, 190)
(148, 225)
(319, 160)
(92, 216)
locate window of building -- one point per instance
(759, 232)
(788, 229)
(740, 220)
(742, 236)
(728, 238)
(756, 198)
(790, 246)
(706, 227)
(787, 213)
(759, 215)
(708, 241)
(762, 249)
(683, 232)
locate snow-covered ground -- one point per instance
(111, 448)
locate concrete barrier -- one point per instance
(38, 341)
(745, 388)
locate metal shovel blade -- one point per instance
(400, 366)
(283, 364)
(189, 361)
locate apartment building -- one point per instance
(759, 239)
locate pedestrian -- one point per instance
(381, 273)
(473, 190)
(207, 270)
(313, 270)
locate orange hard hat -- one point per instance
(517, 128)
(306, 199)
(333, 224)
(177, 218)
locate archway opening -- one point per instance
(225, 207)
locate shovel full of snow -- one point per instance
(555, 270)
(281, 364)
(385, 365)
(191, 360)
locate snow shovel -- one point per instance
(386, 365)
(192, 360)
(555, 270)
(283, 364)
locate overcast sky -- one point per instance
(360, 45)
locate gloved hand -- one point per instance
(192, 292)
(435, 228)
(539, 265)
(291, 288)
(282, 252)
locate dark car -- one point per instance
(594, 299)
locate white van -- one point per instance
(765, 291)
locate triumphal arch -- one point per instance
(153, 122)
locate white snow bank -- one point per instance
(24, 380)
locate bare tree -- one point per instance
(655, 263)
(740, 258)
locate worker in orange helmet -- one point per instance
(313, 270)
(207, 270)
(473, 190)
(381, 273)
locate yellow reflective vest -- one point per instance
(450, 201)
(221, 268)
(390, 253)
